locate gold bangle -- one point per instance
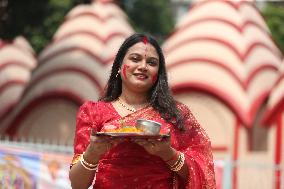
(179, 164)
(86, 165)
(177, 161)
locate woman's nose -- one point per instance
(143, 65)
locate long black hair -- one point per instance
(160, 97)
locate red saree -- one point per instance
(128, 165)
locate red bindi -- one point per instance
(145, 40)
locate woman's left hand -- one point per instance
(159, 147)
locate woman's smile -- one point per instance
(140, 76)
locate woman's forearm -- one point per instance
(80, 177)
(183, 171)
(170, 157)
(83, 172)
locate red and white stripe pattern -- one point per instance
(276, 99)
(274, 116)
(85, 46)
(16, 63)
(224, 48)
(76, 65)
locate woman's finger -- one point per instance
(93, 132)
(93, 137)
(115, 141)
(99, 139)
(142, 142)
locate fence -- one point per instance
(248, 175)
(40, 165)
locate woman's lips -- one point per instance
(141, 76)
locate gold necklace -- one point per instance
(126, 107)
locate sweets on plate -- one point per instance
(127, 129)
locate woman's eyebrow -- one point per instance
(153, 58)
(137, 54)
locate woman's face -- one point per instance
(139, 69)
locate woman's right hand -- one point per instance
(80, 176)
(98, 146)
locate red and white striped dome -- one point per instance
(16, 63)
(224, 48)
(72, 69)
(86, 44)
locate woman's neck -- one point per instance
(134, 98)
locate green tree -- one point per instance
(40, 35)
(36, 20)
(154, 17)
(274, 15)
(18, 14)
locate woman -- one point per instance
(138, 88)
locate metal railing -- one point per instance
(250, 175)
(39, 145)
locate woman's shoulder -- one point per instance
(95, 105)
(182, 107)
(185, 110)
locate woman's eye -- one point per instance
(152, 63)
(134, 59)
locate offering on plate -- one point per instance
(127, 129)
(143, 128)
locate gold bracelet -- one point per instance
(177, 161)
(88, 168)
(179, 164)
(86, 165)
